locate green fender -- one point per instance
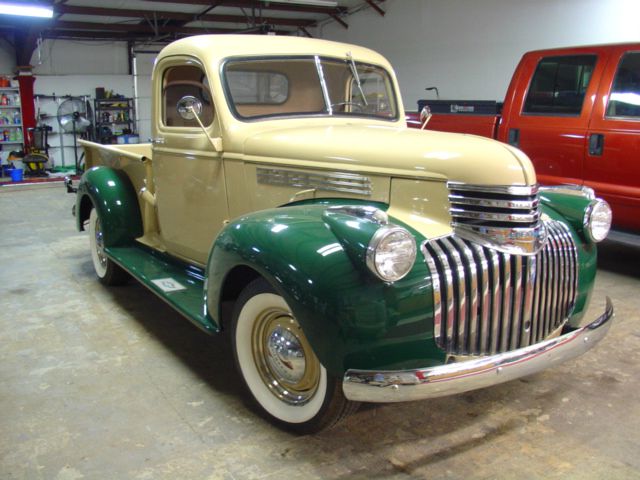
(110, 191)
(315, 259)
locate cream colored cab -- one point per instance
(203, 109)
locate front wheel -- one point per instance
(108, 272)
(279, 367)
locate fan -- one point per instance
(73, 117)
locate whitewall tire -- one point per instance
(107, 270)
(278, 365)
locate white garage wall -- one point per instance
(144, 65)
(469, 48)
(63, 67)
(75, 68)
(61, 152)
(65, 57)
(7, 57)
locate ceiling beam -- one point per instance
(376, 7)
(134, 27)
(184, 17)
(100, 31)
(340, 21)
(283, 7)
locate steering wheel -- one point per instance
(354, 105)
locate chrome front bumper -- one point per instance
(453, 378)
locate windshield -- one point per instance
(297, 86)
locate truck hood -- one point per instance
(395, 151)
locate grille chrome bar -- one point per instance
(493, 203)
(503, 217)
(461, 213)
(486, 301)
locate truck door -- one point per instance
(612, 165)
(188, 172)
(549, 119)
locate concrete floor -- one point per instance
(99, 383)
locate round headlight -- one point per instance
(597, 220)
(391, 253)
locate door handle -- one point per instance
(514, 137)
(157, 141)
(596, 144)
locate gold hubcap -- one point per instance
(285, 361)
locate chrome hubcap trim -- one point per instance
(102, 258)
(283, 356)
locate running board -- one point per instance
(179, 284)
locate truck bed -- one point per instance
(476, 117)
(96, 151)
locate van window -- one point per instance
(559, 85)
(624, 100)
(180, 82)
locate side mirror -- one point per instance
(425, 116)
(189, 107)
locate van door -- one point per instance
(549, 119)
(612, 165)
(188, 172)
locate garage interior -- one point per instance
(100, 382)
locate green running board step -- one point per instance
(179, 284)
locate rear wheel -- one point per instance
(108, 272)
(279, 367)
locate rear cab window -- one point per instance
(180, 82)
(559, 85)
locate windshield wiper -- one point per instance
(323, 85)
(356, 77)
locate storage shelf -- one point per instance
(10, 112)
(107, 131)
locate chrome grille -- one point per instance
(486, 301)
(506, 217)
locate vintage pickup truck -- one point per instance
(576, 113)
(365, 261)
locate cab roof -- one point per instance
(215, 48)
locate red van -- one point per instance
(576, 113)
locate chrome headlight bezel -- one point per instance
(403, 262)
(597, 220)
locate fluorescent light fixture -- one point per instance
(315, 3)
(26, 10)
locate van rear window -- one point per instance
(559, 85)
